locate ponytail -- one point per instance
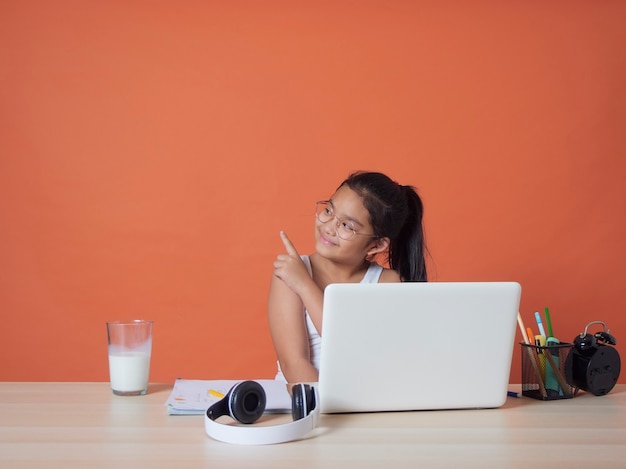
(406, 250)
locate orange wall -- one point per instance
(150, 152)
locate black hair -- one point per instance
(396, 212)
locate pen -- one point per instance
(542, 331)
(540, 342)
(548, 322)
(520, 322)
(512, 394)
(215, 393)
(534, 361)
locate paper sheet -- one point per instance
(192, 397)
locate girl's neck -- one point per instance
(326, 271)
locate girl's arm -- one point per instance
(292, 271)
(287, 324)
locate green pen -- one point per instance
(548, 322)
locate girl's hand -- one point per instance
(290, 268)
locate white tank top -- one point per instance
(315, 340)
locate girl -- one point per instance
(369, 214)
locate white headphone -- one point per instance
(245, 402)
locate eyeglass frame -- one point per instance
(334, 216)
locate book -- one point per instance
(195, 396)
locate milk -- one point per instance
(129, 371)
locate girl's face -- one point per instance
(348, 212)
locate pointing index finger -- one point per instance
(291, 250)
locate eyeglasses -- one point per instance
(345, 230)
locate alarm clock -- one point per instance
(593, 364)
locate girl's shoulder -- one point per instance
(389, 276)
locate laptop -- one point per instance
(417, 346)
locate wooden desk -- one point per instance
(85, 425)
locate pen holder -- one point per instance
(543, 372)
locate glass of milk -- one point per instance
(130, 347)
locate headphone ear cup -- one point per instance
(302, 401)
(246, 401)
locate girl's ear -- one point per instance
(380, 245)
